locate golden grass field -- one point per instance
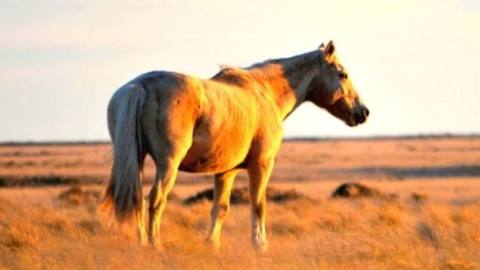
(433, 222)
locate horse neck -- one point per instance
(288, 79)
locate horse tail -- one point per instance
(123, 195)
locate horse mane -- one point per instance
(288, 62)
(243, 77)
(233, 75)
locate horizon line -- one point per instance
(286, 138)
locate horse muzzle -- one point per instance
(360, 116)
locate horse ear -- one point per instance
(330, 49)
(322, 46)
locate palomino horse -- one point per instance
(220, 125)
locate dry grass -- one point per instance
(327, 234)
(432, 222)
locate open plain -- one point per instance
(429, 217)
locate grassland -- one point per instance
(432, 222)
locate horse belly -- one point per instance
(212, 154)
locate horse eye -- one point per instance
(343, 75)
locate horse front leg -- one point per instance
(259, 173)
(221, 205)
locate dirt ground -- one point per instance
(431, 221)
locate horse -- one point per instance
(221, 125)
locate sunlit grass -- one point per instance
(329, 234)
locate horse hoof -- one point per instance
(260, 247)
(143, 242)
(155, 244)
(212, 244)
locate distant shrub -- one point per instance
(357, 190)
(3, 182)
(241, 196)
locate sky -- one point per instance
(413, 62)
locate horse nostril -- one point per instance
(366, 112)
(359, 117)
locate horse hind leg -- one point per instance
(142, 231)
(164, 181)
(167, 154)
(221, 205)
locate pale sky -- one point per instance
(415, 63)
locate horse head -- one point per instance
(332, 89)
